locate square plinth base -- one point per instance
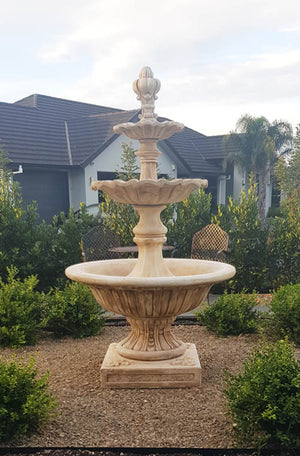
(119, 372)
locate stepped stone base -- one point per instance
(119, 372)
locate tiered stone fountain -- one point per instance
(150, 290)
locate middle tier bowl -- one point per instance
(150, 304)
(148, 191)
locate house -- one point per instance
(60, 146)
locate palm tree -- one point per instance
(255, 146)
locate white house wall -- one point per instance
(221, 190)
(269, 186)
(166, 165)
(76, 187)
(238, 183)
(110, 160)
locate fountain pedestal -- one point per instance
(182, 371)
(151, 290)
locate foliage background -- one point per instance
(37, 248)
(265, 252)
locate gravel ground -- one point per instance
(142, 452)
(90, 416)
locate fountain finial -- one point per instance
(148, 128)
(146, 88)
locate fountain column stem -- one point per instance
(150, 235)
(148, 154)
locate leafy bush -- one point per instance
(230, 314)
(20, 310)
(191, 215)
(284, 239)
(283, 252)
(67, 242)
(248, 241)
(25, 402)
(52, 247)
(73, 311)
(264, 400)
(17, 225)
(118, 217)
(37, 248)
(285, 306)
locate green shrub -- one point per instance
(53, 247)
(73, 311)
(36, 248)
(17, 231)
(285, 306)
(191, 215)
(122, 218)
(284, 239)
(264, 400)
(248, 240)
(25, 402)
(230, 314)
(69, 232)
(20, 310)
(283, 250)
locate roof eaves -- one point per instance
(62, 167)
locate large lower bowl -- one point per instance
(150, 304)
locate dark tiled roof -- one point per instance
(88, 136)
(33, 130)
(28, 101)
(196, 151)
(63, 109)
(48, 131)
(213, 148)
(31, 137)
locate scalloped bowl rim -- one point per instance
(155, 183)
(92, 273)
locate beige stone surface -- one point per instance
(151, 290)
(119, 372)
(149, 191)
(150, 304)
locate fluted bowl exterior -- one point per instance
(145, 297)
(148, 191)
(149, 128)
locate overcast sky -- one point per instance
(216, 59)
